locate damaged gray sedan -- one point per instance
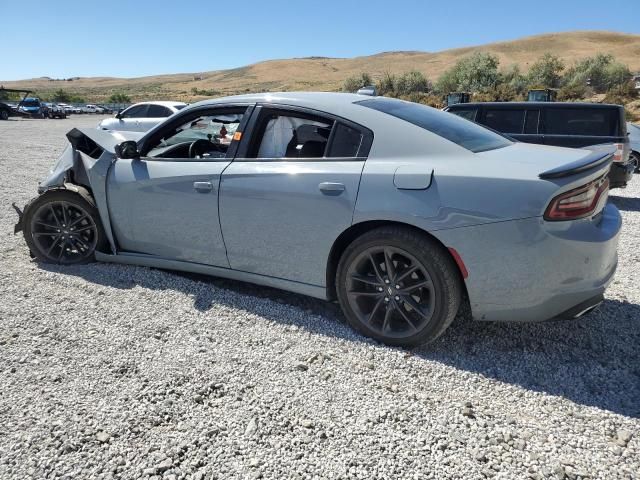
(394, 209)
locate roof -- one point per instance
(164, 103)
(318, 100)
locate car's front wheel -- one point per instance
(398, 286)
(4, 115)
(62, 227)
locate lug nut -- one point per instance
(380, 289)
(386, 299)
(397, 286)
(386, 280)
(397, 297)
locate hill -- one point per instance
(321, 73)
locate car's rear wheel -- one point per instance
(62, 227)
(398, 286)
(635, 157)
(4, 115)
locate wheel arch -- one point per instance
(354, 231)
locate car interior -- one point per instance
(205, 137)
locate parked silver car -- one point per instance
(634, 143)
(141, 116)
(395, 209)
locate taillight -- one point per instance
(620, 153)
(579, 202)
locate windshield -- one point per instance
(30, 102)
(462, 132)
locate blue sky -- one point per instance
(64, 38)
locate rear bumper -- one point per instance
(620, 174)
(531, 270)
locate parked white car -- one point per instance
(141, 116)
(92, 109)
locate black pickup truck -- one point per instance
(562, 124)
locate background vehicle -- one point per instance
(10, 109)
(634, 144)
(542, 95)
(321, 196)
(56, 111)
(140, 117)
(92, 109)
(561, 124)
(32, 107)
(458, 97)
(105, 109)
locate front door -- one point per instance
(290, 192)
(166, 203)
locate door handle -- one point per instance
(202, 187)
(331, 188)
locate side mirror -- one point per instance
(127, 150)
(117, 115)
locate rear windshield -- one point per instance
(598, 122)
(462, 132)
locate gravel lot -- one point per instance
(111, 371)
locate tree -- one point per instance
(412, 82)
(602, 72)
(546, 72)
(387, 85)
(477, 72)
(354, 83)
(119, 97)
(61, 96)
(514, 78)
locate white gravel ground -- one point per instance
(113, 371)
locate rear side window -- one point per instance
(346, 142)
(581, 121)
(466, 134)
(158, 111)
(505, 121)
(284, 135)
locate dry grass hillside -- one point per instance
(319, 73)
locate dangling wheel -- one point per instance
(62, 227)
(398, 286)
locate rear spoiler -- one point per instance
(598, 156)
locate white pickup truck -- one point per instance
(92, 109)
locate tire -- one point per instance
(4, 115)
(428, 298)
(61, 227)
(635, 156)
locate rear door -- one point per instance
(578, 126)
(291, 191)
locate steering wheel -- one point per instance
(201, 146)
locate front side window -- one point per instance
(205, 137)
(137, 111)
(505, 121)
(468, 135)
(158, 111)
(288, 135)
